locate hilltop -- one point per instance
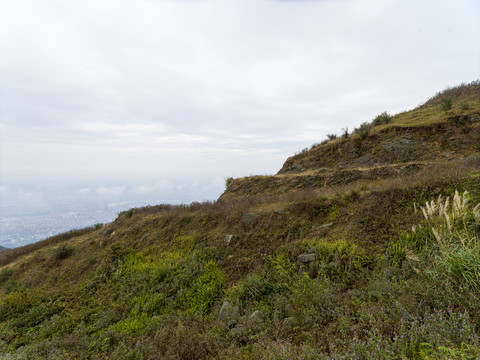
(351, 250)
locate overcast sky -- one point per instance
(165, 99)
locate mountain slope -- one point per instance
(318, 261)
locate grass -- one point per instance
(455, 229)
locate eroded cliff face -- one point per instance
(390, 151)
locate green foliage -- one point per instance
(228, 181)
(364, 130)
(446, 104)
(253, 288)
(205, 290)
(132, 326)
(342, 260)
(332, 136)
(5, 274)
(14, 303)
(382, 119)
(62, 252)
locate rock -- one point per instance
(257, 316)
(249, 218)
(227, 239)
(228, 313)
(307, 258)
(324, 229)
(279, 211)
(326, 226)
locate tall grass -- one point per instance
(456, 239)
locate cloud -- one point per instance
(127, 94)
(110, 191)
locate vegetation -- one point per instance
(382, 119)
(342, 257)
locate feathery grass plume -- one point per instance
(476, 214)
(460, 203)
(456, 250)
(438, 237)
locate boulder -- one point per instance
(257, 316)
(228, 313)
(307, 258)
(249, 218)
(228, 238)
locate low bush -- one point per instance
(446, 104)
(364, 130)
(62, 252)
(382, 119)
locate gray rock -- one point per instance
(326, 226)
(227, 239)
(324, 229)
(307, 258)
(257, 316)
(228, 312)
(249, 218)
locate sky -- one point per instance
(160, 100)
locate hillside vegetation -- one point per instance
(365, 246)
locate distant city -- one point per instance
(22, 225)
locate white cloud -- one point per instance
(118, 92)
(110, 191)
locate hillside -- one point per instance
(351, 250)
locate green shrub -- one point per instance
(446, 104)
(364, 130)
(383, 118)
(205, 290)
(62, 252)
(5, 274)
(228, 181)
(343, 261)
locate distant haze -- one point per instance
(160, 101)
